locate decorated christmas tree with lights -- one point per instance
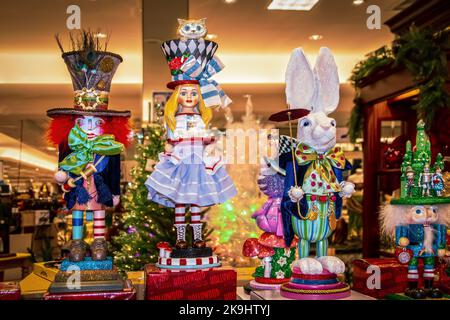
(231, 221)
(144, 223)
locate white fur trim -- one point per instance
(392, 216)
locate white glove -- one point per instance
(347, 189)
(296, 194)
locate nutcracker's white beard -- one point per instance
(428, 238)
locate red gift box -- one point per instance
(393, 276)
(213, 284)
(444, 278)
(129, 293)
(9, 291)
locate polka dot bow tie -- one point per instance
(321, 163)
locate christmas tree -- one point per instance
(231, 221)
(144, 223)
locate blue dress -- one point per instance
(187, 175)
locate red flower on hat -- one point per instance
(175, 63)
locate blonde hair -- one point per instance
(171, 108)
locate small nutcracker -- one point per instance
(409, 181)
(437, 181)
(425, 180)
(422, 238)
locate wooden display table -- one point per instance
(20, 260)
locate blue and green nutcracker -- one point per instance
(423, 237)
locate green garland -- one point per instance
(423, 53)
(375, 60)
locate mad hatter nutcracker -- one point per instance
(90, 139)
(314, 185)
(418, 222)
(185, 177)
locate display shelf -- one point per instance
(275, 295)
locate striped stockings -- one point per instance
(180, 221)
(99, 224)
(78, 224)
(180, 214)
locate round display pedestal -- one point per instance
(323, 286)
(189, 263)
(267, 283)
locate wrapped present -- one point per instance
(444, 275)
(46, 270)
(393, 276)
(128, 293)
(212, 284)
(9, 291)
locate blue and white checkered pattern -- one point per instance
(200, 65)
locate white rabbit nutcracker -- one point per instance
(314, 185)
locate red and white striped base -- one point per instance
(188, 263)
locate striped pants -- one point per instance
(316, 231)
(99, 223)
(428, 268)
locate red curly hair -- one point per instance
(60, 126)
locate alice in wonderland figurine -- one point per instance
(91, 138)
(186, 177)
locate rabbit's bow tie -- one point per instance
(321, 164)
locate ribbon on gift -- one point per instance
(84, 149)
(212, 93)
(321, 164)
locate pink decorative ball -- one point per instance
(61, 177)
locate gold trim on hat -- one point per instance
(91, 99)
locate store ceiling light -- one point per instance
(315, 37)
(358, 2)
(100, 35)
(211, 36)
(229, 1)
(299, 5)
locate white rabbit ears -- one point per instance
(315, 90)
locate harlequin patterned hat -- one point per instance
(178, 51)
(192, 61)
(91, 71)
